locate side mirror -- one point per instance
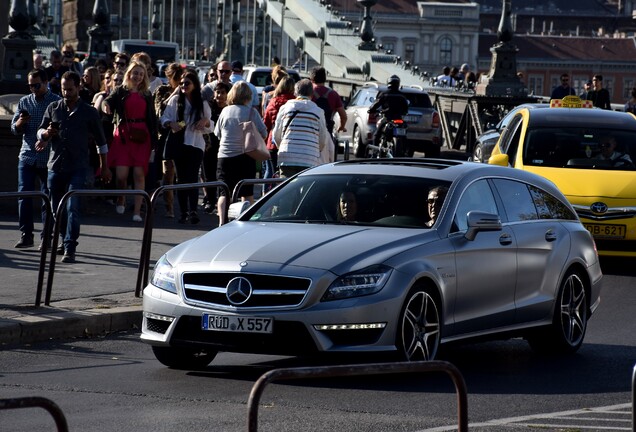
(236, 209)
(499, 159)
(481, 221)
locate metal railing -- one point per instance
(359, 370)
(245, 182)
(92, 192)
(144, 262)
(45, 238)
(35, 402)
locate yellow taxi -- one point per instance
(588, 154)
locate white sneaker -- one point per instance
(137, 218)
(120, 209)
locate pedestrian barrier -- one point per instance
(45, 238)
(35, 402)
(245, 182)
(92, 192)
(359, 370)
(144, 262)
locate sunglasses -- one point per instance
(224, 71)
(121, 63)
(185, 83)
(36, 86)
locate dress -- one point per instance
(123, 151)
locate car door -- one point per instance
(486, 267)
(542, 247)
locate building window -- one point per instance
(409, 52)
(446, 51)
(388, 46)
(577, 84)
(535, 85)
(608, 83)
(628, 85)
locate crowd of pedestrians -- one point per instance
(115, 126)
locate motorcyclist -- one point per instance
(391, 104)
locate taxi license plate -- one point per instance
(399, 132)
(606, 231)
(411, 118)
(237, 324)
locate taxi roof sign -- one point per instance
(571, 102)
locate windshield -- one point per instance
(376, 200)
(580, 148)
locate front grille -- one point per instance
(288, 338)
(157, 326)
(267, 290)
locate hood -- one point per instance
(325, 247)
(585, 186)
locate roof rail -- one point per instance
(429, 162)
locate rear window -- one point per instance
(418, 100)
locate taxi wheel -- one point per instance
(419, 333)
(478, 153)
(569, 324)
(183, 358)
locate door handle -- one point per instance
(550, 236)
(505, 239)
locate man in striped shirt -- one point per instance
(31, 163)
(300, 132)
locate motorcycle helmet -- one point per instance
(393, 82)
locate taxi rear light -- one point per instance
(373, 118)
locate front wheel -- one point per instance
(399, 147)
(565, 334)
(183, 358)
(419, 332)
(359, 148)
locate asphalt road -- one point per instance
(114, 383)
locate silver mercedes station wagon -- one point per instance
(394, 256)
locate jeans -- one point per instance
(26, 182)
(187, 166)
(59, 184)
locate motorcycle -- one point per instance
(392, 141)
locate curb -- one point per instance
(59, 324)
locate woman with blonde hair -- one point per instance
(135, 132)
(233, 164)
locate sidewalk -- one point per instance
(92, 296)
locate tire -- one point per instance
(478, 153)
(399, 147)
(569, 324)
(419, 331)
(183, 358)
(359, 149)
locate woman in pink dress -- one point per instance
(135, 133)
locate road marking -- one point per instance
(619, 411)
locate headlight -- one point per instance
(364, 282)
(163, 276)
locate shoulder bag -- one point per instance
(175, 140)
(253, 143)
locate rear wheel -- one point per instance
(478, 153)
(419, 333)
(183, 358)
(565, 334)
(399, 147)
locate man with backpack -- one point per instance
(327, 99)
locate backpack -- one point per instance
(323, 103)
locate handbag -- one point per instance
(174, 141)
(253, 143)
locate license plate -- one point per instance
(606, 231)
(399, 132)
(237, 324)
(411, 118)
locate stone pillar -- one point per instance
(100, 34)
(366, 29)
(17, 51)
(502, 78)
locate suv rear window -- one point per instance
(418, 100)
